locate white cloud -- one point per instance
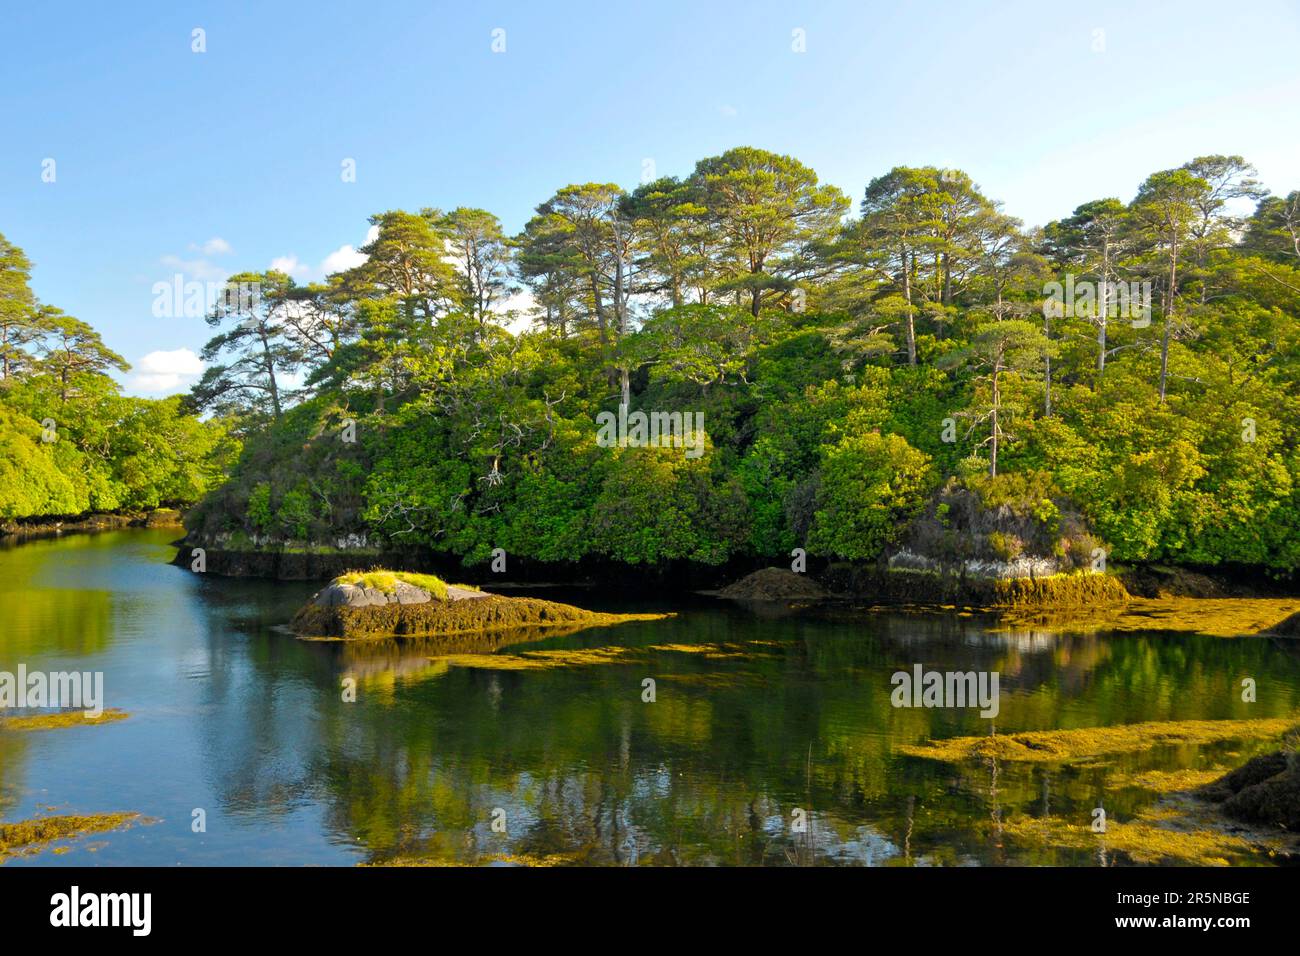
(342, 259)
(291, 266)
(522, 304)
(165, 372)
(200, 270)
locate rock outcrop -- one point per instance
(1265, 790)
(774, 584)
(382, 604)
(337, 594)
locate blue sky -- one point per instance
(206, 163)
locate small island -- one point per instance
(381, 603)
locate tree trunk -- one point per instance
(993, 444)
(1047, 372)
(1101, 319)
(270, 375)
(1169, 318)
(599, 304)
(911, 324)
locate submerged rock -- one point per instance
(1265, 790)
(1287, 628)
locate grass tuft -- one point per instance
(386, 581)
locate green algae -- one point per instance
(1168, 781)
(1214, 617)
(27, 837)
(1155, 837)
(712, 652)
(1051, 746)
(63, 718)
(1078, 589)
(537, 660)
(542, 660)
(529, 860)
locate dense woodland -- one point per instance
(70, 442)
(855, 368)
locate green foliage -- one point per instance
(97, 450)
(844, 371)
(656, 505)
(870, 486)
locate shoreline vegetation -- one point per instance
(1074, 601)
(44, 527)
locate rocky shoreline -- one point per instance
(913, 587)
(96, 521)
(823, 582)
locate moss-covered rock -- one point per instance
(1013, 525)
(390, 582)
(460, 610)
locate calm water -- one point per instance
(788, 712)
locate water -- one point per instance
(788, 717)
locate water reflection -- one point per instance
(771, 739)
